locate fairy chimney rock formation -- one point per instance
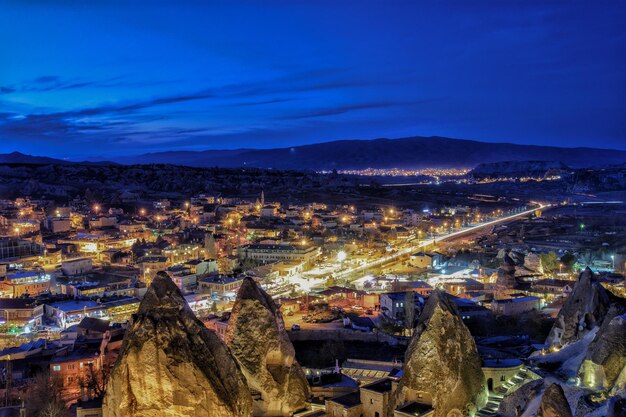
(604, 366)
(170, 365)
(585, 308)
(258, 340)
(442, 365)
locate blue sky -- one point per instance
(106, 78)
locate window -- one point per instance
(56, 368)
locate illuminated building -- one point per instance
(279, 252)
(20, 311)
(19, 283)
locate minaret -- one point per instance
(262, 198)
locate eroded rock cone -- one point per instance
(170, 365)
(584, 309)
(604, 366)
(442, 364)
(554, 403)
(257, 338)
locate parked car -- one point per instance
(295, 327)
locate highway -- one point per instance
(427, 242)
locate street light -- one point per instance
(613, 261)
(341, 256)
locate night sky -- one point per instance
(105, 78)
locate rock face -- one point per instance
(584, 309)
(506, 281)
(259, 342)
(515, 403)
(442, 364)
(604, 366)
(554, 403)
(516, 265)
(532, 263)
(170, 365)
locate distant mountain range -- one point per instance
(20, 158)
(413, 152)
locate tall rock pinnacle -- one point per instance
(585, 308)
(258, 340)
(170, 365)
(442, 364)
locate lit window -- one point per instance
(56, 368)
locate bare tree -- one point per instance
(43, 397)
(95, 380)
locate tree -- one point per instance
(43, 397)
(568, 260)
(95, 381)
(331, 350)
(549, 261)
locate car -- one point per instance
(295, 327)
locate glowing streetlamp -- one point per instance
(341, 256)
(96, 208)
(613, 261)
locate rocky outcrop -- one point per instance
(514, 265)
(170, 365)
(259, 342)
(604, 366)
(442, 364)
(515, 403)
(532, 263)
(554, 403)
(584, 309)
(505, 280)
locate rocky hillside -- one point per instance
(412, 152)
(170, 365)
(518, 169)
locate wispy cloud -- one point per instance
(337, 110)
